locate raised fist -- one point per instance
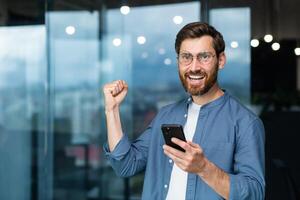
(114, 94)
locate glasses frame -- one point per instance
(200, 58)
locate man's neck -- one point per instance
(214, 93)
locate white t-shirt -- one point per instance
(178, 180)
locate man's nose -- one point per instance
(195, 65)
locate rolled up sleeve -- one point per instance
(119, 151)
(128, 158)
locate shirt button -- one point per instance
(165, 185)
(185, 115)
(170, 161)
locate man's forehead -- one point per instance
(202, 39)
(196, 45)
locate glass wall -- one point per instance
(22, 109)
(73, 60)
(87, 50)
(237, 21)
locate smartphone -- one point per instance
(173, 130)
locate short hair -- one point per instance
(197, 30)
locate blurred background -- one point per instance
(55, 56)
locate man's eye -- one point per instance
(186, 57)
(205, 56)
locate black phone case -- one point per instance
(173, 130)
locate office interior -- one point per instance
(56, 55)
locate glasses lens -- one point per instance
(185, 58)
(205, 57)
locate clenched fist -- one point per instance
(114, 94)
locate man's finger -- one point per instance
(181, 143)
(174, 152)
(171, 154)
(117, 87)
(194, 145)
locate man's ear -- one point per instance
(222, 60)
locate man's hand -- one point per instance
(114, 94)
(192, 160)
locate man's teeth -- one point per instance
(196, 77)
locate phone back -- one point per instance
(173, 130)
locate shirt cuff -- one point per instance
(120, 150)
(234, 187)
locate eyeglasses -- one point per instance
(187, 58)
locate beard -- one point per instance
(209, 81)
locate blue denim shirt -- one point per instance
(231, 136)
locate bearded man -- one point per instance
(223, 156)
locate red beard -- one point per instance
(195, 90)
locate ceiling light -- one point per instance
(168, 61)
(177, 19)
(125, 10)
(268, 38)
(254, 42)
(234, 44)
(117, 42)
(70, 30)
(275, 46)
(141, 40)
(297, 51)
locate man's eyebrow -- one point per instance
(202, 52)
(185, 52)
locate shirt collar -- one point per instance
(211, 104)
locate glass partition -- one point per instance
(89, 49)
(234, 24)
(22, 109)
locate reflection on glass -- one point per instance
(74, 64)
(138, 48)
(22, 68)
(236, 75)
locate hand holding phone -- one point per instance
(173, 130)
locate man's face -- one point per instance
(198, 77)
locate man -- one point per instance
(224, 152)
